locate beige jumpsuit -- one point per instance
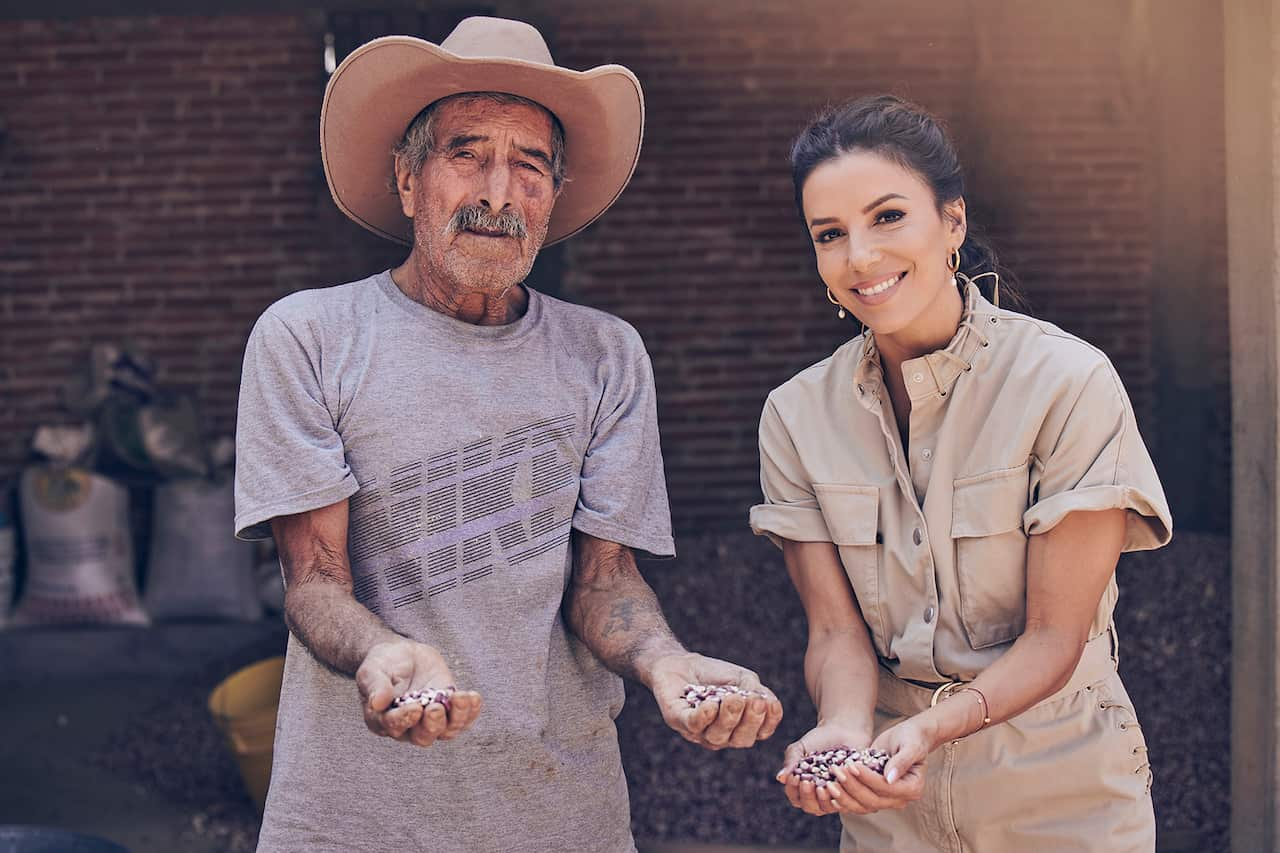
(1013, 425)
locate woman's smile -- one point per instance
(877, 291)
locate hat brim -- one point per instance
(382, 85)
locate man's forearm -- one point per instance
(319, 605)
(614, 612)
(337, 629)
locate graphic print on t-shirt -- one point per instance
(423, 528)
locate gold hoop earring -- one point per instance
(953, 260)
(841, 314)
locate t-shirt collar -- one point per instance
(507, 333)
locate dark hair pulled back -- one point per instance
(908, 135)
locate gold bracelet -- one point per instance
(986, 709)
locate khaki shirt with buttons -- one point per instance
(1013, 425)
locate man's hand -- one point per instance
(733, 721)
(393, 668)
(857, 789)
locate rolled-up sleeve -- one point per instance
(1097, 461)
(790, 509)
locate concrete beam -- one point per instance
(1253, 188)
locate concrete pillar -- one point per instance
(1253, 196)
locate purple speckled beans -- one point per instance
(424, 697)
(696, 694)
(819, 767)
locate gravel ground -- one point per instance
(728, 595)
(1174, 622)
(175, 750)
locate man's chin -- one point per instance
(488, 249)
(488, 276)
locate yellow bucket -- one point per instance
(244, 706)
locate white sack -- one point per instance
(75, 526)
(197, 569)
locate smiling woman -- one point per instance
(951, 491)
(903, 135)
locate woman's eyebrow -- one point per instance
(882, 200)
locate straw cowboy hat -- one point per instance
(382, 85)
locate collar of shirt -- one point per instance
(931, 376)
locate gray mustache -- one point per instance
(473, 217)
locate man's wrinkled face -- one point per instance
(482, 201)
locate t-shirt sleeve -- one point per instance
(790, 509)
(289, 455)
(622, 493)
(1098, 461)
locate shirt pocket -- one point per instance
(852, 515)
(991, 554)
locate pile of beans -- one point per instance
(696, 694)
(819, 767)
(425, 697)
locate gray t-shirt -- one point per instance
(468, 453)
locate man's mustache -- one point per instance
(473, 217)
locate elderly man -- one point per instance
(456, 470)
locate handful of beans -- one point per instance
(424, 697)
(819, 767)
(696, 694)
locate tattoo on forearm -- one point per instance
(621, 615)
(613, 610)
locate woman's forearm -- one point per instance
(841, 676)
(1068, 567)
(1037, 665)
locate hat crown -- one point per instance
(497, 38)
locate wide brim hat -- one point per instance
(379, 88)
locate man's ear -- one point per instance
(957, 219)
(406, 181)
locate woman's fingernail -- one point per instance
(891, 776)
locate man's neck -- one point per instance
(478, 308)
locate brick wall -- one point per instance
(160, 181)
(1049, 104)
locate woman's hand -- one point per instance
(804, 794)
(858, 789)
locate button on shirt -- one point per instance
(1019, 423)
